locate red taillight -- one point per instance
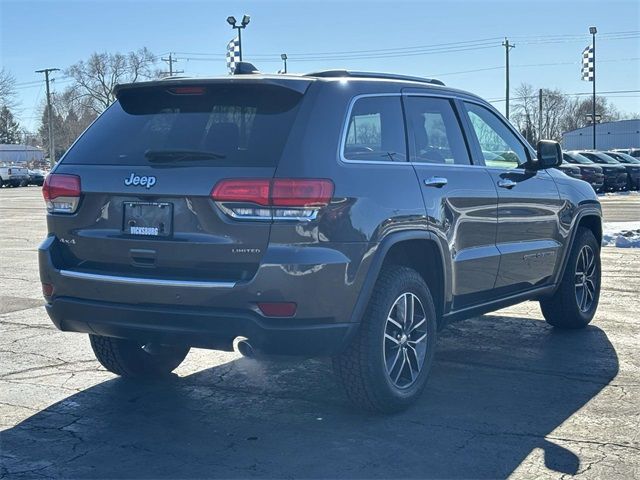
(249, 191)
(61, 192)
(278, 309)
(279, 192)
(292, 192)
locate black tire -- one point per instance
(363, 366)
(129, 358)
(567, 308)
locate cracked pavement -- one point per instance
(508, 396)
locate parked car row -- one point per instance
(13, 176)
(604, 171)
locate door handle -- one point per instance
(437, 182)
(507, 183)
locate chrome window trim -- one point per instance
(144, 281)
(450, 96)
(345, 127)
(508, 125)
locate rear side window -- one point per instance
(376, 130)
(434, 132)
(230, 125)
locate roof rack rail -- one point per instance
(387, 76)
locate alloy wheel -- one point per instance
(405, 340)
(585, 278)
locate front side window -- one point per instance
(376, 130)
(435, 135)
(500, 146)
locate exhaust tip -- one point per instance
(245, 348)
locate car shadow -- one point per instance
(500, 386)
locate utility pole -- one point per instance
(593, 31)
(540, 115)
(507, 46)
(171, 60)
(52, 150)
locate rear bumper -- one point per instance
(200, 327)
(324, 283)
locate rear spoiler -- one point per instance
(298, 84)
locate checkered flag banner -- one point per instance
(587, 64)
(233, 54)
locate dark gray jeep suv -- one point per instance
(341, 214)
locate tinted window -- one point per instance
(600, 158)
(576, 158)
(376, 130)
(435, 133)
(500, 146)
(242, 124)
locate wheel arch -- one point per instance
(589, 217)
(420, 250)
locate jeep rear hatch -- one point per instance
(146, 171)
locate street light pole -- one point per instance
(593, 31)
(284, 59)
(243, 24)
(52, 150)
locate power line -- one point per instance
(416, 49)
(577, 94)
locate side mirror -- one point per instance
(549, 155)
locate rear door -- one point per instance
(460, 198)
(147, 168)
(528, 236)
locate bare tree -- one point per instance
(560, 113)
(95, 78)
(7, 89)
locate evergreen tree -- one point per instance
(9, 128)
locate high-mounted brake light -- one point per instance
(61, 193)
(188, 90)
(285, 198)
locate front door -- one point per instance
(460, 198)
(528, 235)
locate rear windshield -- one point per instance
(230, 125)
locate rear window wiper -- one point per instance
(177, 155)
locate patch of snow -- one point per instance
(620, 194)
(621, 234)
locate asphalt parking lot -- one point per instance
(508, 397)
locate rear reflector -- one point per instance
(61, 192)
(47, 289)
(278, 309)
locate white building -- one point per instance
(20, 155)
(609, 135)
